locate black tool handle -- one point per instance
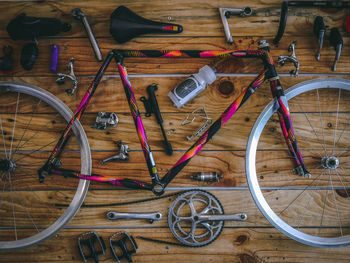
(284, 12)
(319, 26)
(336, 41)
(6, 62)
(319, 31)
(155, 108)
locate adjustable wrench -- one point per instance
(79, 15)
(112, 215)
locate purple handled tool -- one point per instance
(54, 57)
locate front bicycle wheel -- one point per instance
(314, 211)
(31, 122)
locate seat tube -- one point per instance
(137, 119)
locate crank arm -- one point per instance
(232, 217)
(112, 215)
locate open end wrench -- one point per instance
(79, 15)
(112, 215)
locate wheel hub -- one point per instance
(7, 166)
(330, 162)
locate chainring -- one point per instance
(183, 218)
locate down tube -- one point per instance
(198, 145)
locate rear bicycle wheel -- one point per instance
(314, 211)
(31, 122)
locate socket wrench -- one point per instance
(156, 216)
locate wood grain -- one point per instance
(298, 200)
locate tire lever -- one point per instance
(319, 31)
(336, 41)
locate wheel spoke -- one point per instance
(14, 126)
(37, 150)
(321, 118)
(336, 122)
(323, 209)
(36, 133)
(3, 137)
(301, 193)
(336, 204)
(313, 129)
(27, 212)
(27, 126)
(341, 181)
(308, 203)
(13, 206)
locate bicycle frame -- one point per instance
(269, 73)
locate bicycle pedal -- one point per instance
(91, 245)
(123, 246)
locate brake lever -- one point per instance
(319, 31)
(336, 41)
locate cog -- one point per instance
(183, 218)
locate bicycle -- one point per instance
(45, 167)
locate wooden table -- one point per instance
(252, 241)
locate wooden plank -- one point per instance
(315, 211)
(199, 19)
(307, 129)
(85, 63)
(233, 245)
(110, 96)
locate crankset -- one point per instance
(196, 218)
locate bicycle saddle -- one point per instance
(125, 25)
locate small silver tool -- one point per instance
(292, 58)
(227, 12)
(105, 120)
(207, 177)
(204, 215)
(71, 76)
(123, 154)
(199, 113)
(112, 215)
(79, 15)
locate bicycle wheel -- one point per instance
(314, 211)
(31, 122)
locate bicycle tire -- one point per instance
(45, 102)
(324, 223)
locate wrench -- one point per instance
(79, 15)
(112, 215)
